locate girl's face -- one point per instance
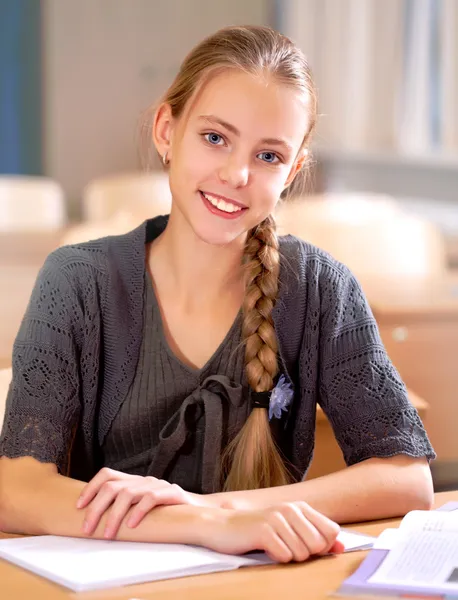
(233, 152)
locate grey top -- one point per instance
(77, 351)
(161, 428)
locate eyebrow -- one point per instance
(269, 141)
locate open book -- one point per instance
(421, 557)
(85, 564)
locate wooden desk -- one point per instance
(312, 580)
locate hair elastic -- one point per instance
(276, 400)
(261, 399)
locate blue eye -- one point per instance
(269, 157)
(213, 138)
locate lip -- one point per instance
(220, 213)
(239, 204)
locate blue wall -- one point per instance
(20, 87)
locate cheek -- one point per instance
(272, 183)
(195, 161)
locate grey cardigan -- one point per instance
(76, 354)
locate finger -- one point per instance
(296, 543)
(276, 549)
(124, 500)
(337, 548)
(91, 489)
(98, 506)
(161, 496)
(327, 528)
(146, 504)
(310, 536)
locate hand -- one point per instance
(121, 491)
(291, 531)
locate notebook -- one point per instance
(418, 558)
(85, 564)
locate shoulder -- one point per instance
(95, 259)
(308, 266)
(315, 287)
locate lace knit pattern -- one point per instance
(78, 347)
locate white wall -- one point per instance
(104, 61)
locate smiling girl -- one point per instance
(165, 382)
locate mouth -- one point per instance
(222, 206)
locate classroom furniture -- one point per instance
(369, 233)
(312, 580)
(145, 193)
(327, 457)
(29, 203)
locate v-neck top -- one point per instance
(175, 415)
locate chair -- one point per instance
(143, 195)
(117, 204)
(31, 204)
(5, 380)
(370, 234)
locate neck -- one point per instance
(196, 271)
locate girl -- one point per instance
(181, 364)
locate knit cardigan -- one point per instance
(77, 350)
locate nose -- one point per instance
(235, 171)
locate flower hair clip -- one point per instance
(276, 400)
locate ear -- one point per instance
(297, 166)
(162, 130)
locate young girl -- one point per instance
(181, 364)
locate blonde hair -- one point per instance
(252, 460)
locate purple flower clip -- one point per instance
(280, 398)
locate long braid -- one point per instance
(252, 458)
(262, 266)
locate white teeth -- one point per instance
(221, 204)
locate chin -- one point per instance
(216, 236)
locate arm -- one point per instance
(36, 500)
(42, 411)
(373, 489)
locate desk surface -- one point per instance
(313, 580)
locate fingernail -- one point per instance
(79, 502)
(130, 523)
(107, 533)
(86, 527)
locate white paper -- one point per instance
(421, 559)
(82, 564)
(353, 541)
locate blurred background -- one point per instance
(382, 197)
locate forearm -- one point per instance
(45, 503)
(373, 489)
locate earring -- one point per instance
(165, 160)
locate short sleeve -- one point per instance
(42, 406)
(361, 392)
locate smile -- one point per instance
(226, 205)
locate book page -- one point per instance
(90, 564)
(423, 559)
(434, 520)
